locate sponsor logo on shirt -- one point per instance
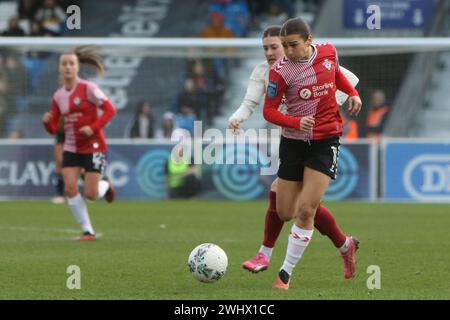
(316, 91)
(77, 101)
(272, 89)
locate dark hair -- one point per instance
(296, 26)
(88, 55)
(271, 31)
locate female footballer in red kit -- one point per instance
(79, 101)
(307, 77)
(324, 220)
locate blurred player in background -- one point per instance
(78, 101)
(324, 221)
(307, 78)
(58, 155)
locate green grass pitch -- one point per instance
(144, 247)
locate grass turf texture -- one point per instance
(145, 245)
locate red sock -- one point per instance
(324, 222)
(273, 223)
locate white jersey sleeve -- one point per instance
(341, 96)
(255, 92)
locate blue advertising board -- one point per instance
(138, 172)
(416, 171)
(394, 14)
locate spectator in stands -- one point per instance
(17, 77)
(52, 17)
(285, 7)
(15, 134)
(167, 126)
(217, 29)
(36, 30)
(14, 30)
(350, 126)
(27, 9)
(142, 125)
(190, 98)
(206, 92)
(185, 119)
(377, 115)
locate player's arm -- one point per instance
(342, 84)
(253, 96)
(275, 91)
(108, 113)
(98, 98)
(341, 96)
(50, 119)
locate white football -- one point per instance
(208, 262)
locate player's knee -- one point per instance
(273, 186)
(307, 211)
(91, 195)
(285, 214)
(70, 191)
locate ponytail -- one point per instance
(89, 55)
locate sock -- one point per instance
(79, 210)
(298, 241)
(103, 186)
(345, 246)
(266, 251)
(272, 225)
(59, 185)
(324, 222)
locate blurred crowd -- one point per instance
(202, 84)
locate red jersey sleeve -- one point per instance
(99, 98)
(275, 91)
(108, 113)
(342, 82)
(52, 125)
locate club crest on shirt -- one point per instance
(272, 89)
(327, 64)
(77, 101)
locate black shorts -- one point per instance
(320, 155)
(91, 162)
(60, 137)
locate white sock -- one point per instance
(298, 241)
(345, 246)
(103, 186)
(79, 210)
(266, 251)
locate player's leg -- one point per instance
(58, 153)
(314, 186)
(96, 184)
(325, 222)
(74, 199)
(272, 228)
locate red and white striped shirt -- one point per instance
(79, 107)
(309, 87)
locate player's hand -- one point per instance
(306, 123)
(87, 131)
(234, 124)
(354, 105)
(47, 117)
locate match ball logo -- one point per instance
(305, 93)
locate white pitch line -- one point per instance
(16, 228)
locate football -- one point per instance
(208, 262)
